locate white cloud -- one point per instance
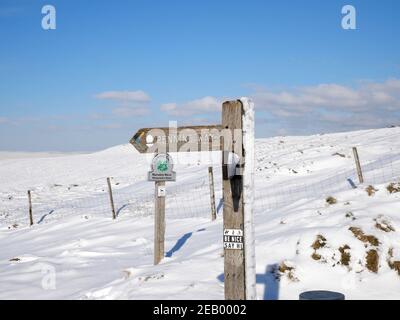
(129, 103)
(124, 96)
(169, 107)
(4, 120)
(110, 126)
(203, 105)
(330, 107)
(367, 97)
(130, 111)
(323, 107)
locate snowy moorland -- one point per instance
(316, 226)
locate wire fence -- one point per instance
(187, 198)
(190, 199)
(380, 171)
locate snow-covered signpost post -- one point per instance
(235, 138)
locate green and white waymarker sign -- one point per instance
(162, 168)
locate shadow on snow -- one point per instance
(179, 244)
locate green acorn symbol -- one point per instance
(162, 166)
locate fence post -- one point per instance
(30, 208)
(111, 198)
(358, 166)
(159, 223)
(212, 193)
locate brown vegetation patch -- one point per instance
(372, 260)
(393, 187)
(383, 224)
(284, 268)
(371, 190)
(331, 200)
(394, 265)
(316, 256)
(345, 255)
(319, 243)
(350, 215)
(359, 234)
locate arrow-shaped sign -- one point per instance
(181, 139)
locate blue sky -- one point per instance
(112, 67)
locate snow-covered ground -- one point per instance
(351, 244)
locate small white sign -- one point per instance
(233, 246)
(233, 232)
(233, 239)
(161, 191)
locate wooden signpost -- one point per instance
(235, 138)
(238, 177)
(182, 139)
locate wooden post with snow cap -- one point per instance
(111, 198)
(238, 177)
(30, 208)
(212, 193)
(358, 165)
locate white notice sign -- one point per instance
(161, 191)
(233, 239)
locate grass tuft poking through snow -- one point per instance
(371, 190)
(393, 264)
(383, 224)
(359, 234)
(287, 268)
(372, 260)
(331, 200)
(393, 187)
(345, 255)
